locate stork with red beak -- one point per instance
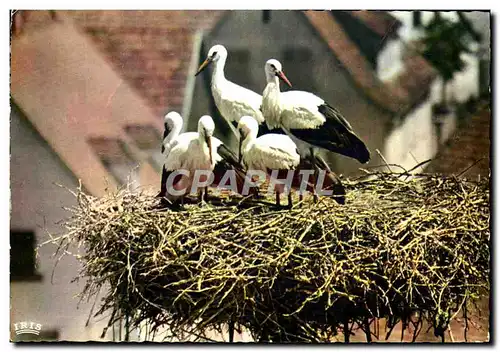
(308, 118)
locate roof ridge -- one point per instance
(392, 95)
(377, 90)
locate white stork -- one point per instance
(308, 118)
(232, 101)
(193, 151)
(267, 152)
(278, 152)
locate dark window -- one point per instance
(147, 139)
(117, 160)
(266, 16)
(417, 18)
(297, 67)
(22, 256)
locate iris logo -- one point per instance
(27, 327)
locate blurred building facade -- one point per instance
(89, 91)
(72, 118)
(424, 133)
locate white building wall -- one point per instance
(414, 140)
(37, 205)
(465, 83)
(389, 62)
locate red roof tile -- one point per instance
(73, 97)
(469, 147)
(150, 49)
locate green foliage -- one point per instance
(443, 44)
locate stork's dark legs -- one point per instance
(315, 195)
(290, 199)
(315, 175)
(206, 195)
(277, 198)
(163, 185)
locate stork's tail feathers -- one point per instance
(346, 142)
(331, 181)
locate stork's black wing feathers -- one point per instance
(335, 134)
(229, 159)
(322, 163)
(263, 129)
(166, 132)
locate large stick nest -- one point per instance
(409, 250)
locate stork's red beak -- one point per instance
(203, 65)
(282, 76)
(208, 139)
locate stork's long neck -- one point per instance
(218, 73)
(249, 141)
(271, 102)
(202, 140)
(174, 132)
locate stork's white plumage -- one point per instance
(193, 151)
(232, 100)
(173, 127)
(188, 151)
(268, 152)
(308, 118)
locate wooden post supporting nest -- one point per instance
(367, 330)
(231, 330)
(347, 331)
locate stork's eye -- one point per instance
(273, 67)
(213, 55)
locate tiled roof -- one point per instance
(78, 103)
(414, 82)
(468, 151)
(150, 49)
(396, 96)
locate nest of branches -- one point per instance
(410, 250)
